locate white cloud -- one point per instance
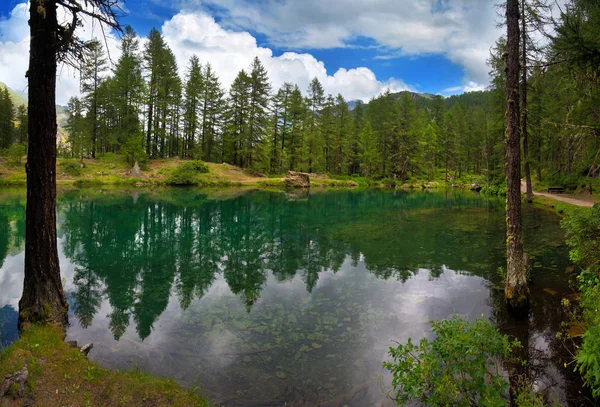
(189, 33)
(228, 51)
(470, 86)
(14, 53)
(462, 30)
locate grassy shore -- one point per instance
(112, 169)
(60, 375)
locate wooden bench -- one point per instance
(556, 190)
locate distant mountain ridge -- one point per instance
(17, 97)
(62, 114)
(424, 99)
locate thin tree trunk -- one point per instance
(149, 130)
(529, 187)
(43, 298)
(516, 291)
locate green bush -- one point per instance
(196, 166)
(187, 173)
(15, 153)
(133, 151)
(494, 190)
(390, 182)
(583, 236)
(71, 167)
(461, 366)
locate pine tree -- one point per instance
(368, 153)
(193, 90)
(94, 66)
(212, 101)
(153, 60)
(236, 132)
(258, 112)
(128, 89)
(7, 127)
(516, 290)
(281, 125)
(79, 137)
(22, 120)
(298, 113)
(316, 98)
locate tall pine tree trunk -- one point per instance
(516, 291)
(529, 187)
(43, 298)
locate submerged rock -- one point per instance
(85, 349)
(297, 180)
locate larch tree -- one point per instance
(22, 120)
(258, 116)
(193, 90)
(212, 98)
(43, 298)
(516, 291)
(316, 99)
(92, 70)
(7, 127)
(128, 89)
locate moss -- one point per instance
(60, 375)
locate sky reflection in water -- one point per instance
(260, 297)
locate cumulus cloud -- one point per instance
(229, 51)
(196, 32)
(470, 86)
(462, 30)
(14, 53)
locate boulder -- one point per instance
(476, 187)
(297, 180)
(136, 172)
(15, 382)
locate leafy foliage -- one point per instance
(461, 366)
(133, 150)
(187, 173)
(71, 168)
(583, 236)
(15, 153)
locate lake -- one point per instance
(262, 298)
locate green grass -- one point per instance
(60, 375)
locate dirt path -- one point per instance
(583, 199)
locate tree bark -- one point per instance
(516, 291)
(43, 298)
(528, 185)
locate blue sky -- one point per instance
(355, 47)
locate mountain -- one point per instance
(469, 99)
(17, 98)
(62, 114)
(421, 98)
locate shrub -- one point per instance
(389, 182)
(133, 150)
(196, 165)
(461, 366)
(15, 153)
(583, 236)
(71, 167)
(187, 173)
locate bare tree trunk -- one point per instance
(43, 298)
(529, 186)
(516, 291)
